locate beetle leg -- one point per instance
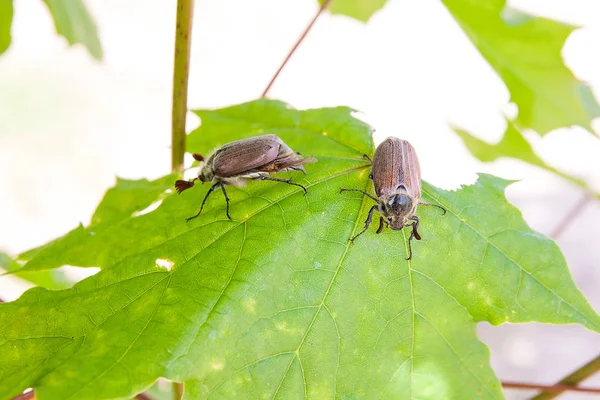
(288, 181)
(433, 205)
(360, 191)
(212, 188)
(298, 169)
(413, 234)
(226, 201)
(367, 223)
(367, 157)
(415, 226)
(380, 229)
(410, 245)
(410, 238)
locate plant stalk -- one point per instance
(323, 7)
(181, 72)
(183, 41)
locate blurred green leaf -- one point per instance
(7, 263)
(513, 145)
(74, 22)
(53, 279)
(526, 52)
(130, 196)
(6, 16)
(277, 302)
(120, 204)
(361, 10)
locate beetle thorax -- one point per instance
(397, 208)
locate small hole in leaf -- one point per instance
(164, 263)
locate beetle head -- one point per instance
(397, 208)
(205, 172)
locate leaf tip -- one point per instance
(495, 181)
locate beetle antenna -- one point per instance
(181, 185)
(198, 157)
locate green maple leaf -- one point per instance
(74, 22)
(51, 279)
(513, 145)
(6, 16)
(277, 303)
(361, 10)
(71, 19)
(526, 52)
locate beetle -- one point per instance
(396, 176)
(237, 162)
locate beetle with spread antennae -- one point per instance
(248, 159)
(396, 175)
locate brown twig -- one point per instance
(573, 379)
(570, 216)
(323, 7)
(554, 390)
(181, 70)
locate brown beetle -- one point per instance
(396, 175)
(247, 159)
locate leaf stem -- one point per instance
(572, 379)
(181, 69)
(323, 7)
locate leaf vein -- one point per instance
(597, 326)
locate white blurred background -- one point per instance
(69, 124)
